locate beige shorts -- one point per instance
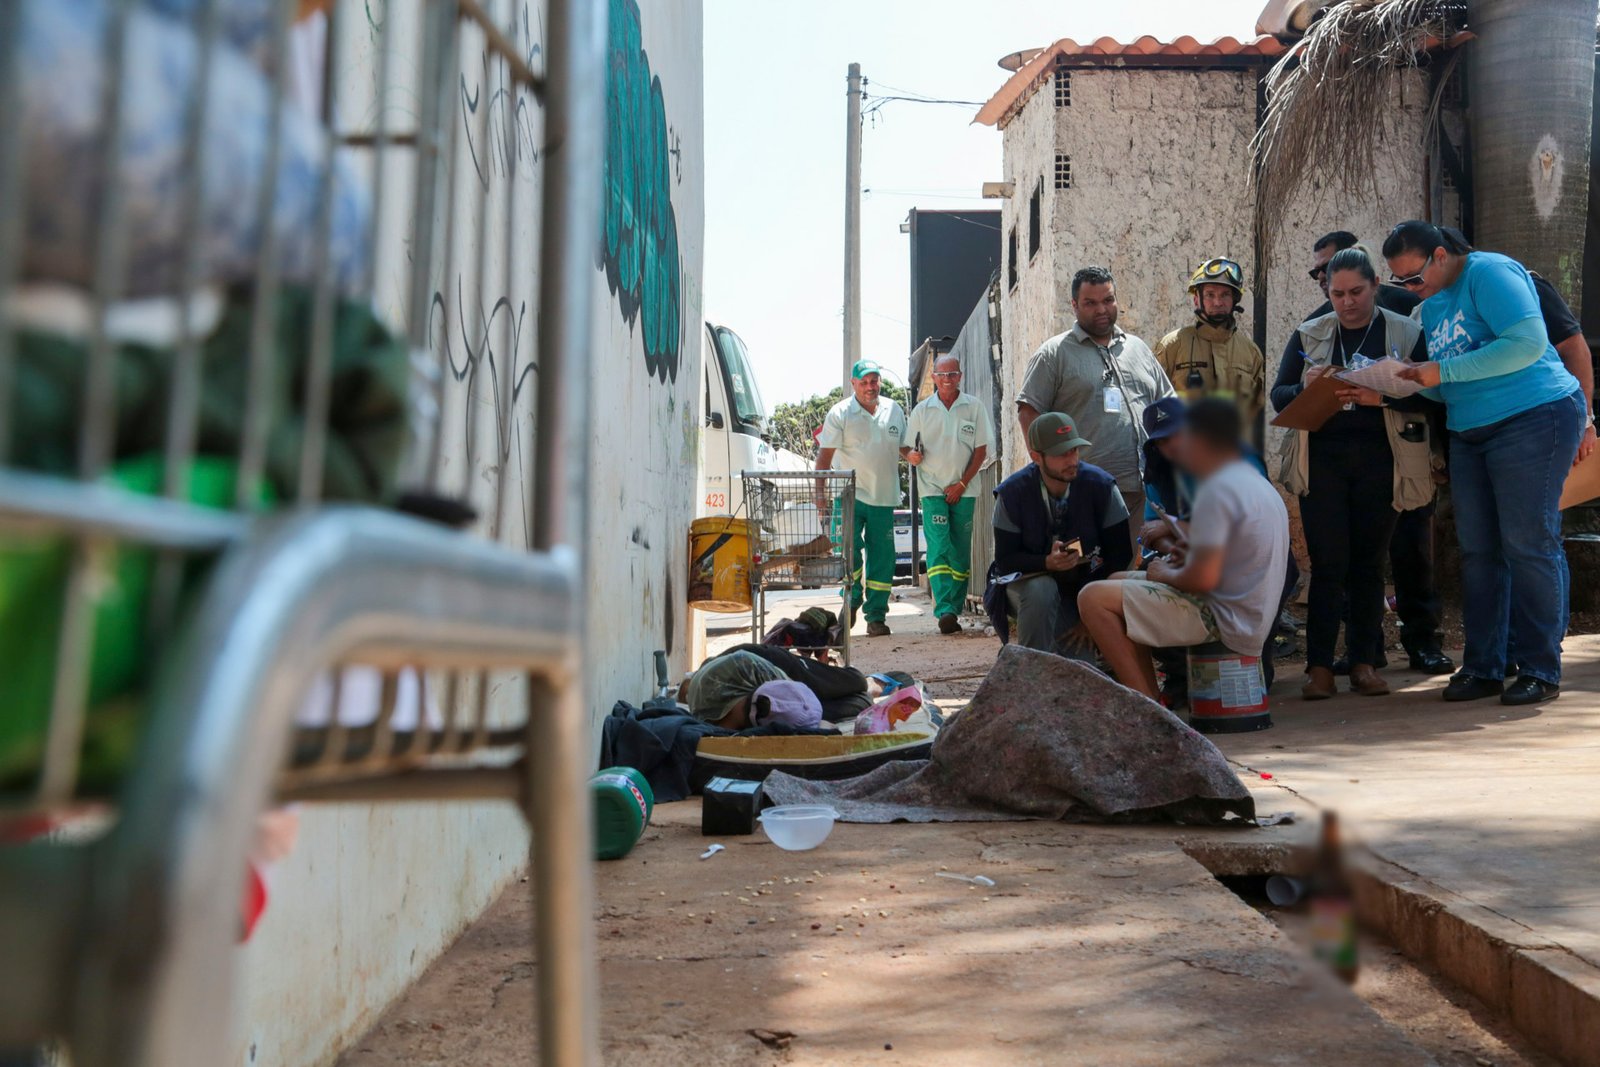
(1159, 616)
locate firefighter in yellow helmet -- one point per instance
(1210, 356)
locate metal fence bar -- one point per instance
(37, 503)
(502, 46)
(558, 801)
(263, 318)
(481, 368)
(440, 70)
(97, 418)
(183, 397)
(319, 367)
(97, 431)
(508, 372)
(13, 187)
(183, 401)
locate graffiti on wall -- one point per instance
(639, 247)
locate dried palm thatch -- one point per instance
(1352, 54)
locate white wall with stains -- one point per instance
(373, 894)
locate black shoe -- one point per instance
(1431, 661)
(949, 624)
(1528, 690)
(1512, 670)
(1464, 686)
(877, 629)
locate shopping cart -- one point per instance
(802, 521)
(117, 942)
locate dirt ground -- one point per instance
(1096, 945)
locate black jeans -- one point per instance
(1411, 562)
(1348, 516)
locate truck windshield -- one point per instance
(749, 412)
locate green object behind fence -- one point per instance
(33, 580)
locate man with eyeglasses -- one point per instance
(1390, 297)
(950, 436)
(1411, 545)
(1209, 356)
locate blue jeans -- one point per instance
(1506, 479)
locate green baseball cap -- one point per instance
(1053, 433)
(863, 368)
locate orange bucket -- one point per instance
(719, 563)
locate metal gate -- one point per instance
(195, 176)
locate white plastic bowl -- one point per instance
(798, 827)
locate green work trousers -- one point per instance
(872, 545)
(948, 530)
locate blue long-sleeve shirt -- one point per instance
(1488, 336)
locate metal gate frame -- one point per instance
(124, 943)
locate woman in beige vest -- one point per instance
(1366, 464)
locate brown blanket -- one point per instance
(1045, 738)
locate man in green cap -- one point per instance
(1059, 523)
(864, 433)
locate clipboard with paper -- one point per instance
(1381, 376)
(1314, 406)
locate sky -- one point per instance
(775, 134)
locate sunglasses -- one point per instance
(1316, 274)
(947, 374)
(1410, 281)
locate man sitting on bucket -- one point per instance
(1222, 584)
(1058, 523)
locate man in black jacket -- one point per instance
(1059, 523)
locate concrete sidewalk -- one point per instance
(1500, 805)
(1097, 944)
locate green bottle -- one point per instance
(622, 806)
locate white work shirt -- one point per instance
(949, 437)
(868, 444)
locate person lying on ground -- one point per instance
(1225, 586)
(1058, 523)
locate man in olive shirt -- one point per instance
(1104, 376)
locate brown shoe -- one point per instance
(1319, 684)
(1366, 680)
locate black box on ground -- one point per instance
(728, 806)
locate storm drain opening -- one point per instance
(1435, 1014)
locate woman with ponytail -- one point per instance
(1515, 416)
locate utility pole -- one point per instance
(852, 224)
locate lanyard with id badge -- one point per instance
(1114, 401)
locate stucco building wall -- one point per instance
(372, 894)
(1160, 167)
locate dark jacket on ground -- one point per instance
(1085, 520)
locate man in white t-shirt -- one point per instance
(864, 432)
(1222, 584)
(948, 441)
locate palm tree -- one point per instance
(1530, 86)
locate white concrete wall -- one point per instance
(373, 894)
(1160, 169)
(1038, 306)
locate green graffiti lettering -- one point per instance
(639, 245)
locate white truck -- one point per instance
(735, 421)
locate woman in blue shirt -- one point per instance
(1515, 416)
